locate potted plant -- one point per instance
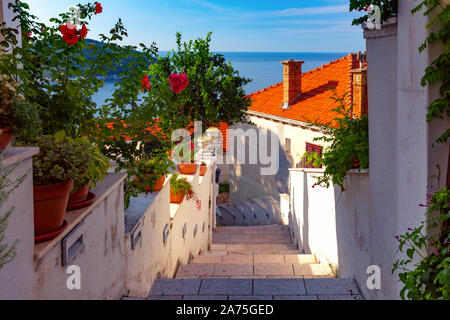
(187, 167)
(17, 117)
(203, 168)
(150, 174)
(93, 168)
(181, 188)
(55, 168)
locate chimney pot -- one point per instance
(292, 81)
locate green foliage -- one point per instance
(178, 185)
(59, 76)
(389, 9)
(215, 92)
(92, 165)
(60, 159)
(143, 174)
(16, 113)
(224, 187)
(347, 140)
(429, 279)
(7, 251)
(439, 69)
(26, 124)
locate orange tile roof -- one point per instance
(315, 103)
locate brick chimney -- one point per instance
(360, 98)
(292, 82)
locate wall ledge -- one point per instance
(308, 170)
(73, 218)
(388, 29)
(18, 154)
(357, 171)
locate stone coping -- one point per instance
(17, 154)
(73, 218)
(317, 170)
(388, 29)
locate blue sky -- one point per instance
(237, 25)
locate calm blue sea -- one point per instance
(263, 67)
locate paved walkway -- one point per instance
(254, 263)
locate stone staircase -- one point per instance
(255, 212)
(254, 263)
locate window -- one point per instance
(287, 145)
(310, 148)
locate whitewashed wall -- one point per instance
(109, 267)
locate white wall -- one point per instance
(109, 267)
(357, 228)
(152, 259)
(246, 181)
(333, 225)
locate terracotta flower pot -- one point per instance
(356, 163)
(50, 203)
(158, 185)
(5, 138)
(203, 169)
(187, 168)
(177, 197)
(80, 194)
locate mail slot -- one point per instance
(72, 244)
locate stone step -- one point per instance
(254, 289)
(254, 259)
(262, 270)
(263, 247)
(251, 239)
(252, 252)
(225, 216)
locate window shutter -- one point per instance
(310, 148)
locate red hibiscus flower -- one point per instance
(83, 31)
(27, 35)
(146, 83)
(70, 34)
(98, 8)
(178, 82)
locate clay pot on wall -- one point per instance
(50, 203)
(203, 169)
(187, 168)
(158, 185)
(5, 138)
(176, 197)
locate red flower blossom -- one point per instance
(178, 82)
(98, 8)
(146, 83)
(83, 31)
(27, 35)
(70, 33)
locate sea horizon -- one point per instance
(264, 68)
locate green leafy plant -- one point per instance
(214, 91)
(224, 187)
(439, 69)
(59, 69)
(389, 9)
(16, 113)
(181, 185)
(92, 165)
(425, 272)
(347, 144)
(143, 174)
(60, 159)
(7, 187)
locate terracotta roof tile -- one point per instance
(315, 103)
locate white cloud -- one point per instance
(309, 11)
